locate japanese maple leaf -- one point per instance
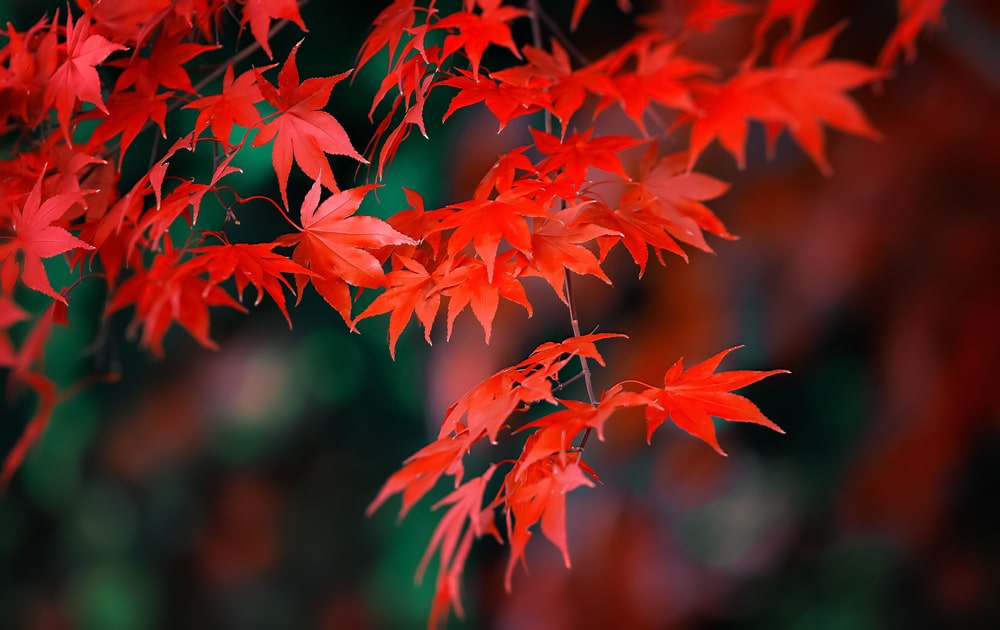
(556, 430)
(797, 12)
(504, 100)
(36, 238)
(252, 264)
(640, 227)
(30, 61)
(503, 173)
(648, 70)
(465, 519)
(259, 14)
(421, 472)
(76, 78)
(484, 409)
(164, 65)
(551, 351)
(335, 245)
(678, 194)
(914, 16)
(414, 117)
(124, 21)
(799, 94)
(726, 110)
(690, 398)
(556, 247)
(170, 291)
(411, 290)
(234, 105)
(811, 91)
(578, 152)
(129, 113)
(699, 15)
(468, 285)
(301, 129)
(485, 222)
(387, 30)
(566, 89)
(538, 493)
(535, 374)
(155, 223)
(477, 32)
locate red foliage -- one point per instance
(557, 206)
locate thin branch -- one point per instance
(536, 38)
(584, 365)
(558, 33)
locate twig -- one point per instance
(584, 365)
(558, 33)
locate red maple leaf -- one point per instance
(648, 70)
(691, 398)
(36, 238)
(551, 75)
(640, 227)
(699, 15)
(676, 195)
(125, 21)
(336, 246)
(469, 285)
(486, 222)
(301, 129)
(477, 32)
(411, 290)
(914, 16)
(811, 91)
(578, 152)
(422, 470)
(129, 113)
(465, 520)
(76, 78)
(164, 65)
(259, 14)
(233, 105)
(557, 430)
(506, 101)
(170, 291)
(799, 93)
(796, 11)
(538, 493)
(387, 30)
(556, 247)
(252, 264)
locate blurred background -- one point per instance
(227, 489)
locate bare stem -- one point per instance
(558, 33)
(584, 365)
(536, 37)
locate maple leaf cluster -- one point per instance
(77, 90)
